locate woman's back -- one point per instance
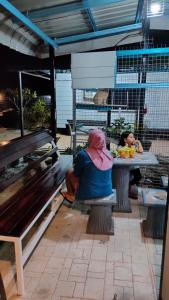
(93, 182)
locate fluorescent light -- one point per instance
(155, 8)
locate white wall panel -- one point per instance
(63, 99)
(93, 70)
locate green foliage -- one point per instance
(37, 115)
(118, 127)
(28, 97)
(35, 112)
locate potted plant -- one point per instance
(117, 128)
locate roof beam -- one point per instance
(96, 34)
(91, 19)
(70, 7)
(139, 11)
(15, 12)
(153, 51)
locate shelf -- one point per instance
(93, 107)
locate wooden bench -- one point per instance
(34, 201)
(155, 201)
(100, 219)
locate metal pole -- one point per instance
(53, 92)
(163, 277)
(109, 101)
(143, 72)
(21, 105)
(74, 122)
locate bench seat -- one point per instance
(100, 219)
(155, 200)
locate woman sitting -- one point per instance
(127, 139)
(91, 176)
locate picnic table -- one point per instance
(121, 176)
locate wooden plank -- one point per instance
(17, 213)
(22, 146)
(32, 165)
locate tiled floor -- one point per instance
(69, 264)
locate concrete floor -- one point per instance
(69, 264)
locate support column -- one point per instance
(143, 75)
(21, 105)
(74, 122)
(109, 101)
(53, 92)
(164, 280)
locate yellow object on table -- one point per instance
(123, 152)
(126, 152)
(132, 152)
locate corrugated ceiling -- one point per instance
(67, 18)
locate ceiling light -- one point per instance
(155, 8)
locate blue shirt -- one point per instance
(93, 183)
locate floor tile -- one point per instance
(64, 288)
(97, 266)
(122, 273)
(99, 253)
(79, 290)
(78, 270)
(110, 291)
(94, 288)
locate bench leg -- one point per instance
(153, 226)
(19, 266)
(2, 289)
(100, 220)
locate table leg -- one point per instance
(120, 177)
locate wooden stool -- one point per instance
(100, 219)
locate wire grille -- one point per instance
(141, 100)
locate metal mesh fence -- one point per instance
(139, 102)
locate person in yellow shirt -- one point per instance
(127, 139)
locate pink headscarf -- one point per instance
(97, 151)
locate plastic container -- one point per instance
(123, 152)
(132, 152)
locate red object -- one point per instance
(145, 110)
